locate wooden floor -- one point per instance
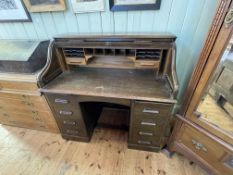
(30, 152)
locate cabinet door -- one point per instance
(207, 106)
(215, 109)
(211, 104)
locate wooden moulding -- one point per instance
(54, 66)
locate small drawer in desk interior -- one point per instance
(152, 108)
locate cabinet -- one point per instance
(203, 129)
(21, 103)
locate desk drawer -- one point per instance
(148, 123)
(61, 100)
(148, 127)
(70, 119)
(73, 124)
(145, 138)
(210, 150)
(151, 109)
(68, 114)
(75, 131)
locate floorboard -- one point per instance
(27, 152)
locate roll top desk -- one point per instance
(134, 72)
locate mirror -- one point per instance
(216, 105)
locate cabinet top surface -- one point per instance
(17, 50)
(114, 83)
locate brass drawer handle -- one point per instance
(71, 131)
(148, 123)
(145, 133)
(65, 112)
(229, 18)
(69, 122)
(63, 101)
(150, 111)
(144, 142)
(199, 146)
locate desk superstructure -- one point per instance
(84, 73)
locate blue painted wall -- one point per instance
(189, 20)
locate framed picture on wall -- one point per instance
(13, 11)
(45, 5)
(125, 5)
(83, 6)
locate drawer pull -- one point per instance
(69, 122)
(71, 131)
(199, 146)
(148, 123)
(63, 101)
(66, 112)
(150, 111)
(144, 142)
(145, 133)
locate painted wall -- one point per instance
(189, 20)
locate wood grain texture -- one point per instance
(22, 105)
(123, 84)
(32, 152)
(176, 16)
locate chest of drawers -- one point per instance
(21, 103)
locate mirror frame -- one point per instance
(218, 37)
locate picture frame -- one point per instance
(84, 6)
(13, 11)
(126, 5)
(45, 5)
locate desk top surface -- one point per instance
(114, 83)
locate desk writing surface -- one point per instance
(116, 83)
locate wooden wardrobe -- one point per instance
(207, 138)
